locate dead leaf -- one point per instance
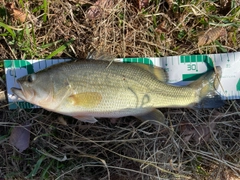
(9, 6)
(113, 120)
(202, 132)
(199, 133)
(143, 4)
(62, 121)
(170, 3)
(161, 28)
(225, 3)
(20, 137)
(225, 6)
(211, 35)
(16, 13)
(98, 8)
(187, 138)
(228, 174)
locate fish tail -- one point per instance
(206, 89)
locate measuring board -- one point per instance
(181, 71)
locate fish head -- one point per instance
(35, 88)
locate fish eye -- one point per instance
(31, 78)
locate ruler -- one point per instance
(181, 71)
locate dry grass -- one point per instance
(64, 148)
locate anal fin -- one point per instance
(154, 115)
(88, 119)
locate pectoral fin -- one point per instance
(152, 115)
(88, 119)
(86, 99)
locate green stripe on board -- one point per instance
(238, 85)
(21, 105)
(191, 77)
(195, 59)
(19, 64)
(138, 60)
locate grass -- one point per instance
(64, 148)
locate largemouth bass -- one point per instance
(99, 88)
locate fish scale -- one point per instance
(117, 73)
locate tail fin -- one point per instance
(210, 101)
(206, 87)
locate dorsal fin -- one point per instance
(100, 55)
(158, 72)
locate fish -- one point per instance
(91, 89)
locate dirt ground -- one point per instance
(192, 144)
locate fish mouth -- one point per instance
(25, 95)
(18, 92)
